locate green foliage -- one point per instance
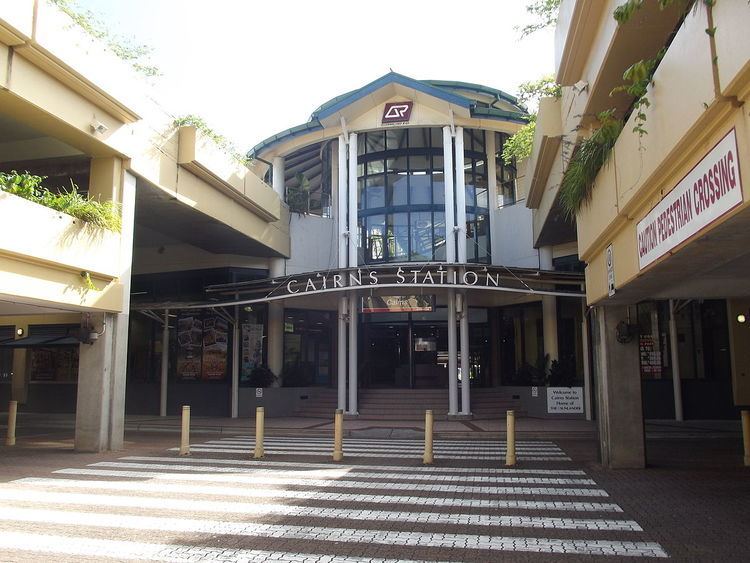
(220, 140)
(588, 158)
(533, 90)
(69, 201)
(625, 11)
(88, 284)
(639, 75)
(546, 13)
(124, 48)
(518, 146)
(261, 376)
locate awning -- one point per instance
(45, 336)
(416, 278)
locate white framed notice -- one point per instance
(565, 400)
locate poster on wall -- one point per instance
(189, 347)
(650, 356)
(214, 348)
(252, 349)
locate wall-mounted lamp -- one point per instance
(248, 308)
(98, 127)
(741, 318)
(580, 86)
(20, 331)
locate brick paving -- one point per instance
(382, 504)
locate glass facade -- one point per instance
(401, 201)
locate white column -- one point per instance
(341, 216)
(586, 363)
(277, 177)
(673, 344)
(549, 309)
(236, 346)
(353, 307)
(450, 222)
(452, 353)
(164, 365)
(465, 369)
(489, 139)
(353, 232)
(276, 268)
(343, 260)
(460, 197)
(341, 351)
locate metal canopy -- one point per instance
(403, 278)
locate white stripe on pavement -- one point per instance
(244, 492)
(367, 485)
(312, 533)
(178, 553)
(304, 465)
(347, 452)
(261, 509)
(292, 477)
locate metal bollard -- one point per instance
(185, 438)
(510, 451)
(746, 435)
(338, 435)
(429, 458)
(260, 426)
(10, 439)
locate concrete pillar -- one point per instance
(276, 322)
(236, 358)
(353, 308)
(164, 365)
(278, 181)
(103, 373)
(465, 367)
(341, 351)
(450, 221)
(586, 363)
(19, 383)
(95, 386)
(620, 412)
(549, 309)
(675, 356)
(460, 197)
(452, 353)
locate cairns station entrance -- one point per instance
(411, 282)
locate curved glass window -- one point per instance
(402, 200)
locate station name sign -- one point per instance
(710, 190)
(419, 276)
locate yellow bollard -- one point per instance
(338, 435)
(746, 435)
(10, 440)
(429, 458)
(510, 451)
(259, 429)
(185, 438)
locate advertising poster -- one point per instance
(252, 349)
(189, 347)
(214, 348)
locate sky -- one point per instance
(251, 69)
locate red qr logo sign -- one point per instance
(397, 112)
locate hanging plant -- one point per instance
(588, 158)
(639, 76)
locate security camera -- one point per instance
(98, 127)
(580, 86)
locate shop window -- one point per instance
(307, 348)
(58, 364)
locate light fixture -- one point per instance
(98, 127)
(249, 309)
(741, 318)
(20, 331)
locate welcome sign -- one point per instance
(711, 189)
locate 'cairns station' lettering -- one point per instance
(426, 276)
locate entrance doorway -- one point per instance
(387, 355)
